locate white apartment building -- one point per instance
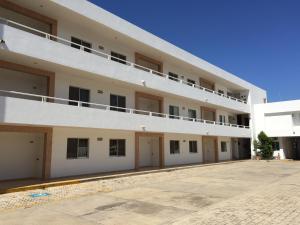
(281, 121)
(84, 91)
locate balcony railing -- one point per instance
(54, 100)
(109, 57)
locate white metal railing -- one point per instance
(55, 100)
(109, 57)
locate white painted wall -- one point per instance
(21, 155)
(278, 119)
(184, 157)
(59, 54)
(22, 111)
(99, 159)
(64, 80)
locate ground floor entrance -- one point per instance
(290, 147)
(24, 152)
(210, 149)
(241, 148)
(149, 150)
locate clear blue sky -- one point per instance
(257, 40)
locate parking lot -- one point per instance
(249, 192)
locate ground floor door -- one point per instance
(21, 155)
(209, 149)
(149, 150)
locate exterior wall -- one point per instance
(223, 156)
(184, 157)
(63, 81)
(278, 119)
(98, 161)
(21, 155)
(82, 61)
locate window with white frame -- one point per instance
(117, 57)
(77, 148)
(117, 147)
(173, 76)
(223, 146)
(174, 147)
(191, 82)
(79, 94)
(192, 114)
(193, 147)
(77, 43)
(174, 112)
(222, 119)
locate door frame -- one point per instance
(215, 139)
(146, 58)
(50, 76)
(47, 151)
(203, 108)
(137, 147)
(149, 96)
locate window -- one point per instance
(117, 101)
(117, 147)
(77, 43)
(173, 76)
(174, 147)
(192, 114)
(222, 119)
(223, 146)
(77, 148)
(191, 82)
(117, 57)
(174, 112)
(220, 92)
(275, 144)
(193, 146)
(79, 94)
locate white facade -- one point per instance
(280, 120)
(158, 120)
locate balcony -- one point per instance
(29, 109)
(24, 40)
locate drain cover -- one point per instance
(37, 195)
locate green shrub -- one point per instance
(265, 145)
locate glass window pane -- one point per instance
(113, 147)
(85, 97)
(72, 148)
(121, 148)
(73, 95)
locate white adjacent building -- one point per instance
(84, 91)
(281, 121)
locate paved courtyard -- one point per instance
(250, 192)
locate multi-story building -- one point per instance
(84, 91)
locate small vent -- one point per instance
(100, 92)
(99, 139)
(101, 47)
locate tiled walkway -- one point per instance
(252, 192)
